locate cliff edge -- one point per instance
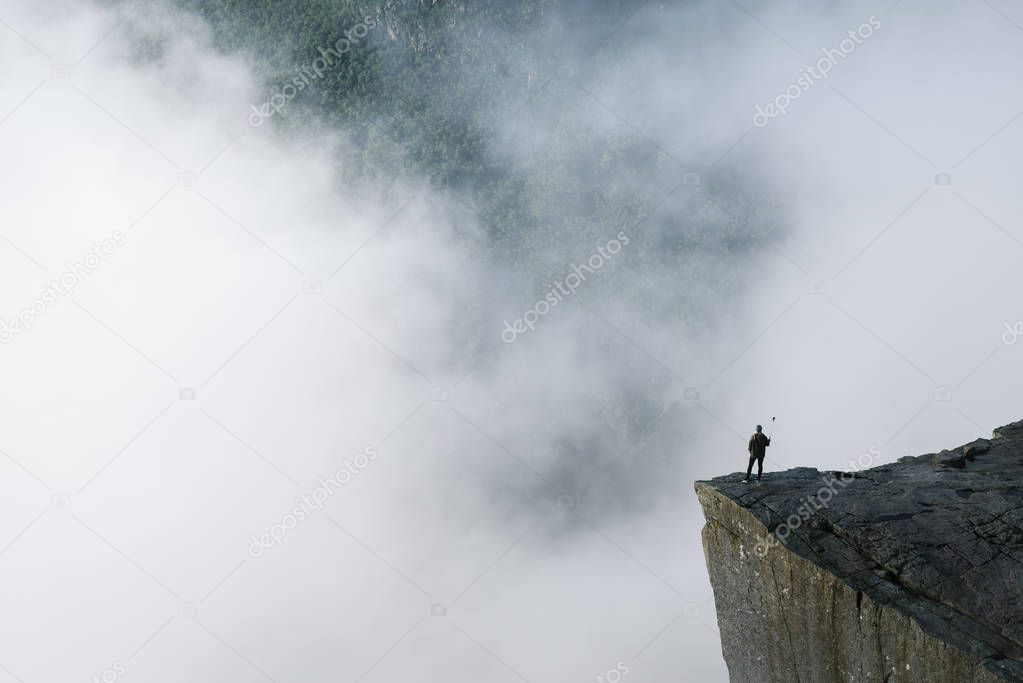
(911, 571)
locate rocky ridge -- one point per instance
(903, 572)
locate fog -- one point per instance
(227, 324)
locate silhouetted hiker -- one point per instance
(758, 444)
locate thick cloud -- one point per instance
(248, 327)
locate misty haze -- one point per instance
(345, 340)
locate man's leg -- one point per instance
(749, 468)
(760, 468)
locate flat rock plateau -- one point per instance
(909, 571)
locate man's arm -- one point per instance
(767, 441)
(751, 440)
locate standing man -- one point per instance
(758, 444)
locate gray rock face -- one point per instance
(911, 571)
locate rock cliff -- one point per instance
(911, 571)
